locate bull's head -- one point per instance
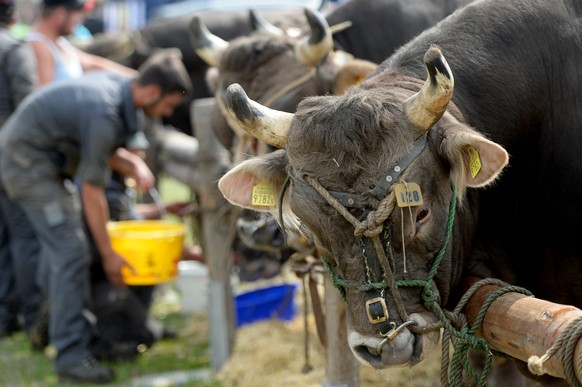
(274, 68)
(373, 177)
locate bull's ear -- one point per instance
(256, 183)
(475, 160)
(350, 74)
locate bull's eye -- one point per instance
(422, 216)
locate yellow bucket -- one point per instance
(152, 247)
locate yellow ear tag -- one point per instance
(408, 194)
(263, 195)
(474, 162)
(359, 79)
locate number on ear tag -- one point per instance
(263, 195)
(408, 195)
(474, 162)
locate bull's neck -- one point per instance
(461, 257)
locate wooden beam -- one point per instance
(522, 326)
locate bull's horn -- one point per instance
(262, 26)
(427, 106)
(310, 50)
(207, 46)
(268, 125)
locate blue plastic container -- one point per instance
(263, 304)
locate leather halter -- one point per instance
(376, 308)
(381, 189)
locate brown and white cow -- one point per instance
(374, 172)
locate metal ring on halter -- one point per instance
(393, 333)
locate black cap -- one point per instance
(71, 4)
(6, 11)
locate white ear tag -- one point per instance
(263, 195)
(408, 194)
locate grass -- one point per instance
(21, 366)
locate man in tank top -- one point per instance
(56, 57)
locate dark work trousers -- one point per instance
(53, 207)
(122, 314)
(19, 250)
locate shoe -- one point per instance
(87, 370)
(115, 352)
(38, 334)
(168, 334)
(9, 328)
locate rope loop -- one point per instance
(463, 337)
(564, 347)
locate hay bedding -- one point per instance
(271, 353)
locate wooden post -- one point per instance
(343, 370)
(218, 231)
(522, 326)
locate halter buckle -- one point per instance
(377, 310)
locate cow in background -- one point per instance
(379, 27)
(277, 69)
(377, 173)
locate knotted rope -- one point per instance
(371, 227)
(373, 224)
(463, 338)
(564, 346)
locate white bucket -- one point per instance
(192, 283)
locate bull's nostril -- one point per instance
(369, 355)
(374, 351)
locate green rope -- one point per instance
(339, 283)
(428, 291)
(464, 338)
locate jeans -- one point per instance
(19, 251)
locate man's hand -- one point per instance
(180, 208)
(131, 165)
(112, 264)
(143, 176)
